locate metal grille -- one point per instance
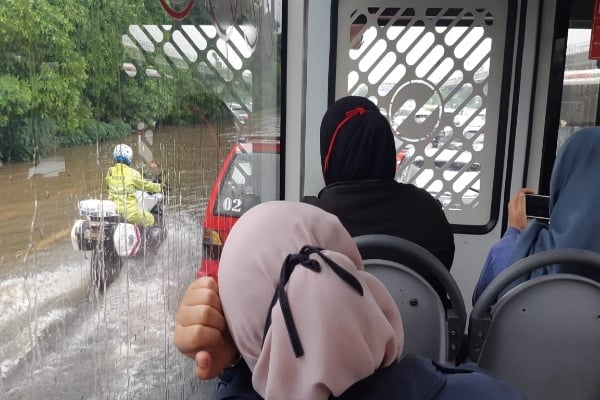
(220, 56)
(435, 73)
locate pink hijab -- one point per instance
(327, 326)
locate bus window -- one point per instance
(579, 106)
(88, 302)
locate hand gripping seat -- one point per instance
(431, 305)
(543, 335)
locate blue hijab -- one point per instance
(574, 202)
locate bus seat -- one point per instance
(434, 322)
(542, 336)
(423, 314)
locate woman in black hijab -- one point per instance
(358, 160)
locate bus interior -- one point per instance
(480, 97)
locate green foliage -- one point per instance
(145, 99)
(42, 74)
(198, 108)
(92, 131)
(25, 139)
(109, 91)
(39, 48)
(62, 80)
(15, 99)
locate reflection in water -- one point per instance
(48, 167)
(58, 337)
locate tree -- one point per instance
(39, 50)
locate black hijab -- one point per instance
(357, 142)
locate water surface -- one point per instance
(59, 337)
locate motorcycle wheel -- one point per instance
(154, 236)
(105, 266)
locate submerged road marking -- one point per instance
(52, 238)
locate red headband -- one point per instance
(349, 115)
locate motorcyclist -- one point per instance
(123, 181)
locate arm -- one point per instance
(142, 184)
(499, 256)
(201, 330)
(151, 187)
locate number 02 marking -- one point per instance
(234, 205)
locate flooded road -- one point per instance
(59, 337)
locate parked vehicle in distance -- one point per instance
(249, 176)
(402, 153)
(400, 157)
(458, 168)
(239, 112)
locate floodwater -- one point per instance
(60, 338)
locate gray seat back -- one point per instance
(542, 336)
(435, 327)
(423, 314)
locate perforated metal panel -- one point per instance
(435, 70)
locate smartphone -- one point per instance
(537, 206)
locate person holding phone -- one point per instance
(574, 212)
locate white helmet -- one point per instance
(123, 154)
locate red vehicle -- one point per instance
(249, 176)
(400, 156)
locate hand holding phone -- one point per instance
(537, 207)
(516, 209)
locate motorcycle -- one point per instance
(103, 232)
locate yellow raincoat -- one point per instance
(123, 181)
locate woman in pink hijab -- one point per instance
(311, 324)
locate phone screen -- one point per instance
(537, 206)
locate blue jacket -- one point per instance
(412, 378)
(498, 260)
